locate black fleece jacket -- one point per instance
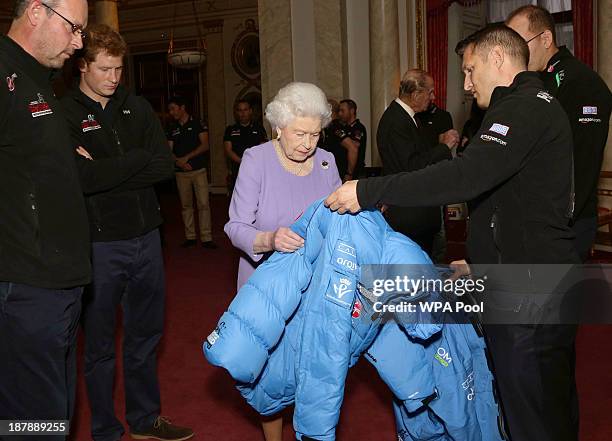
(586, 99)
(130, 154)
(44, 239)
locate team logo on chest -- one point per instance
(39, 107)
(10, 82)
(90, 124)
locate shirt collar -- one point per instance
(28, 63)
(406, 107)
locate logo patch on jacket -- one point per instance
(214, 336)
(443, 357)
(545, 96)
(39, 107)
(346, 249)
(468, 386)
(489, 138)
(499, 128)
(340, 286)
(10, 82)
(89, 124)
(589, 110)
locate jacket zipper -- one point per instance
(494, 225)
(96, 214)
(118, 141)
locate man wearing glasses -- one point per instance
(44, 237)
(585, 98)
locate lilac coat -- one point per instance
(267, 196)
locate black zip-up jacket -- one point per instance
(516, 170)
(586, 99)
(130, 154)
(44, 239)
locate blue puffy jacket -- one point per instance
(302, 320)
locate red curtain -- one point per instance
(437, 46)
(582, 14)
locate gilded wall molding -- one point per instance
(421, 34)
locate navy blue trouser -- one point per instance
(130, 273)
(37, 353)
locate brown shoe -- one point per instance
(163, 430)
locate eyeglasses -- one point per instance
(76, 29)
(534, 37)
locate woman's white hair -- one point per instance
(296, 100)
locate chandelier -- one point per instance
(190, 58)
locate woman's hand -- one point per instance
(285, 240)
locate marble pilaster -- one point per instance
(106, 13)
(275, 46)
(215, 87)
(328, 47)
(384, 60)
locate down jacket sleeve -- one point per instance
(256, 318)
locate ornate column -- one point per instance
(329, 47)
(275, 47)
(106, 13)
(384, 61)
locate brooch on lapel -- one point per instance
(325, 165)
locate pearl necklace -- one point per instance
(304, 168)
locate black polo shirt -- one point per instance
(243, 137)
(357, 132)
(186, 138)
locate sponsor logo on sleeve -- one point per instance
(589, 120)
(499, 128)
(215, 335)
(545, 96)
(489, 138)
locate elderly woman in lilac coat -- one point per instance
(277, 181)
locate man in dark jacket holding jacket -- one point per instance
(517, 172)
(586, 99)
(123, 153)
(44, 241)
